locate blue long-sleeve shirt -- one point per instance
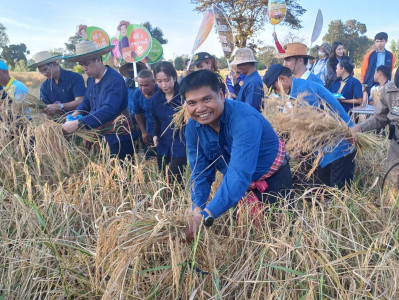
(170, 144)
(251, 91)
(243, 151)
(104, 101)
(70, 86)
(313, 94)
(139, 104)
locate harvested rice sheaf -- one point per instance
(311, 131)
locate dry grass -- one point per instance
(77, 225)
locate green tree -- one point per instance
(20, 66)
(352, 35)
(266, 57)
(3, 37)
(248, 17)
(179, 63)
(395, 50)
(15, 53)
(72, 41)
(222, 62)
(156, 33)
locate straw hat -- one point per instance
(127, 69)
(127, 23)
(87, 50)
(244, 55)
(44, 57)
(295, 49)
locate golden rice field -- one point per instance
(77, 225)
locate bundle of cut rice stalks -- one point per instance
(312, 131)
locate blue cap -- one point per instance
(3, 65)
(272, 74)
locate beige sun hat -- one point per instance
(244, 55)
(87, 50)
(44, 57)
(295, 49)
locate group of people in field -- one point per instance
(226, 130)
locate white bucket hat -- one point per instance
(244, 55)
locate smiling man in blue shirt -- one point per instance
(337, 166)
(235, 139)
(251, 91)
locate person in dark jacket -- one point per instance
(336, 55)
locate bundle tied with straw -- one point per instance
(312, 131)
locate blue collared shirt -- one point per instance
(70, 86)
(380, 59)
(139, 104)
(252, 91)
(243, 151)
(314, 93)
(169, 144)
(351, 90)
(235, 89)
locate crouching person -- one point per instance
(235, 139)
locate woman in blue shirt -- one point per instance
(170, 145)
(347, 85)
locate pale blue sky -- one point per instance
(47, 24)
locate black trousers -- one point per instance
(122, 149)
(280, 185)
(338, 173)
(175, 165)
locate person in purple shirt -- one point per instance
(337, 165)
(104, 106)
(170, 144)
(234, 138)
(251, 91)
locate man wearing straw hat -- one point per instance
(296, 59)
(16, 89)
(251, 91)
(387, 113)
(63, 90)
(337, 166)
(104, 106)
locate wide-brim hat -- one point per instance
(295, 50)
(244, 55)
(397, 78)
(127, 23)
(128, 67)
(87, 50)
(200, 57)
(44, 57)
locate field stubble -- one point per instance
(77, 225)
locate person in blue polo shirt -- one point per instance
(141, 107)
(234, 138)
(170, 144)
(16, 89)
(104, 106)
(336, 166)
(296, 59)
(63, 90)
(347, 85)
(251, 91)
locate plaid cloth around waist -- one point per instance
(121, 125)
(250, 198)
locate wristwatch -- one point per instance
(208, 219)
(62, 106)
